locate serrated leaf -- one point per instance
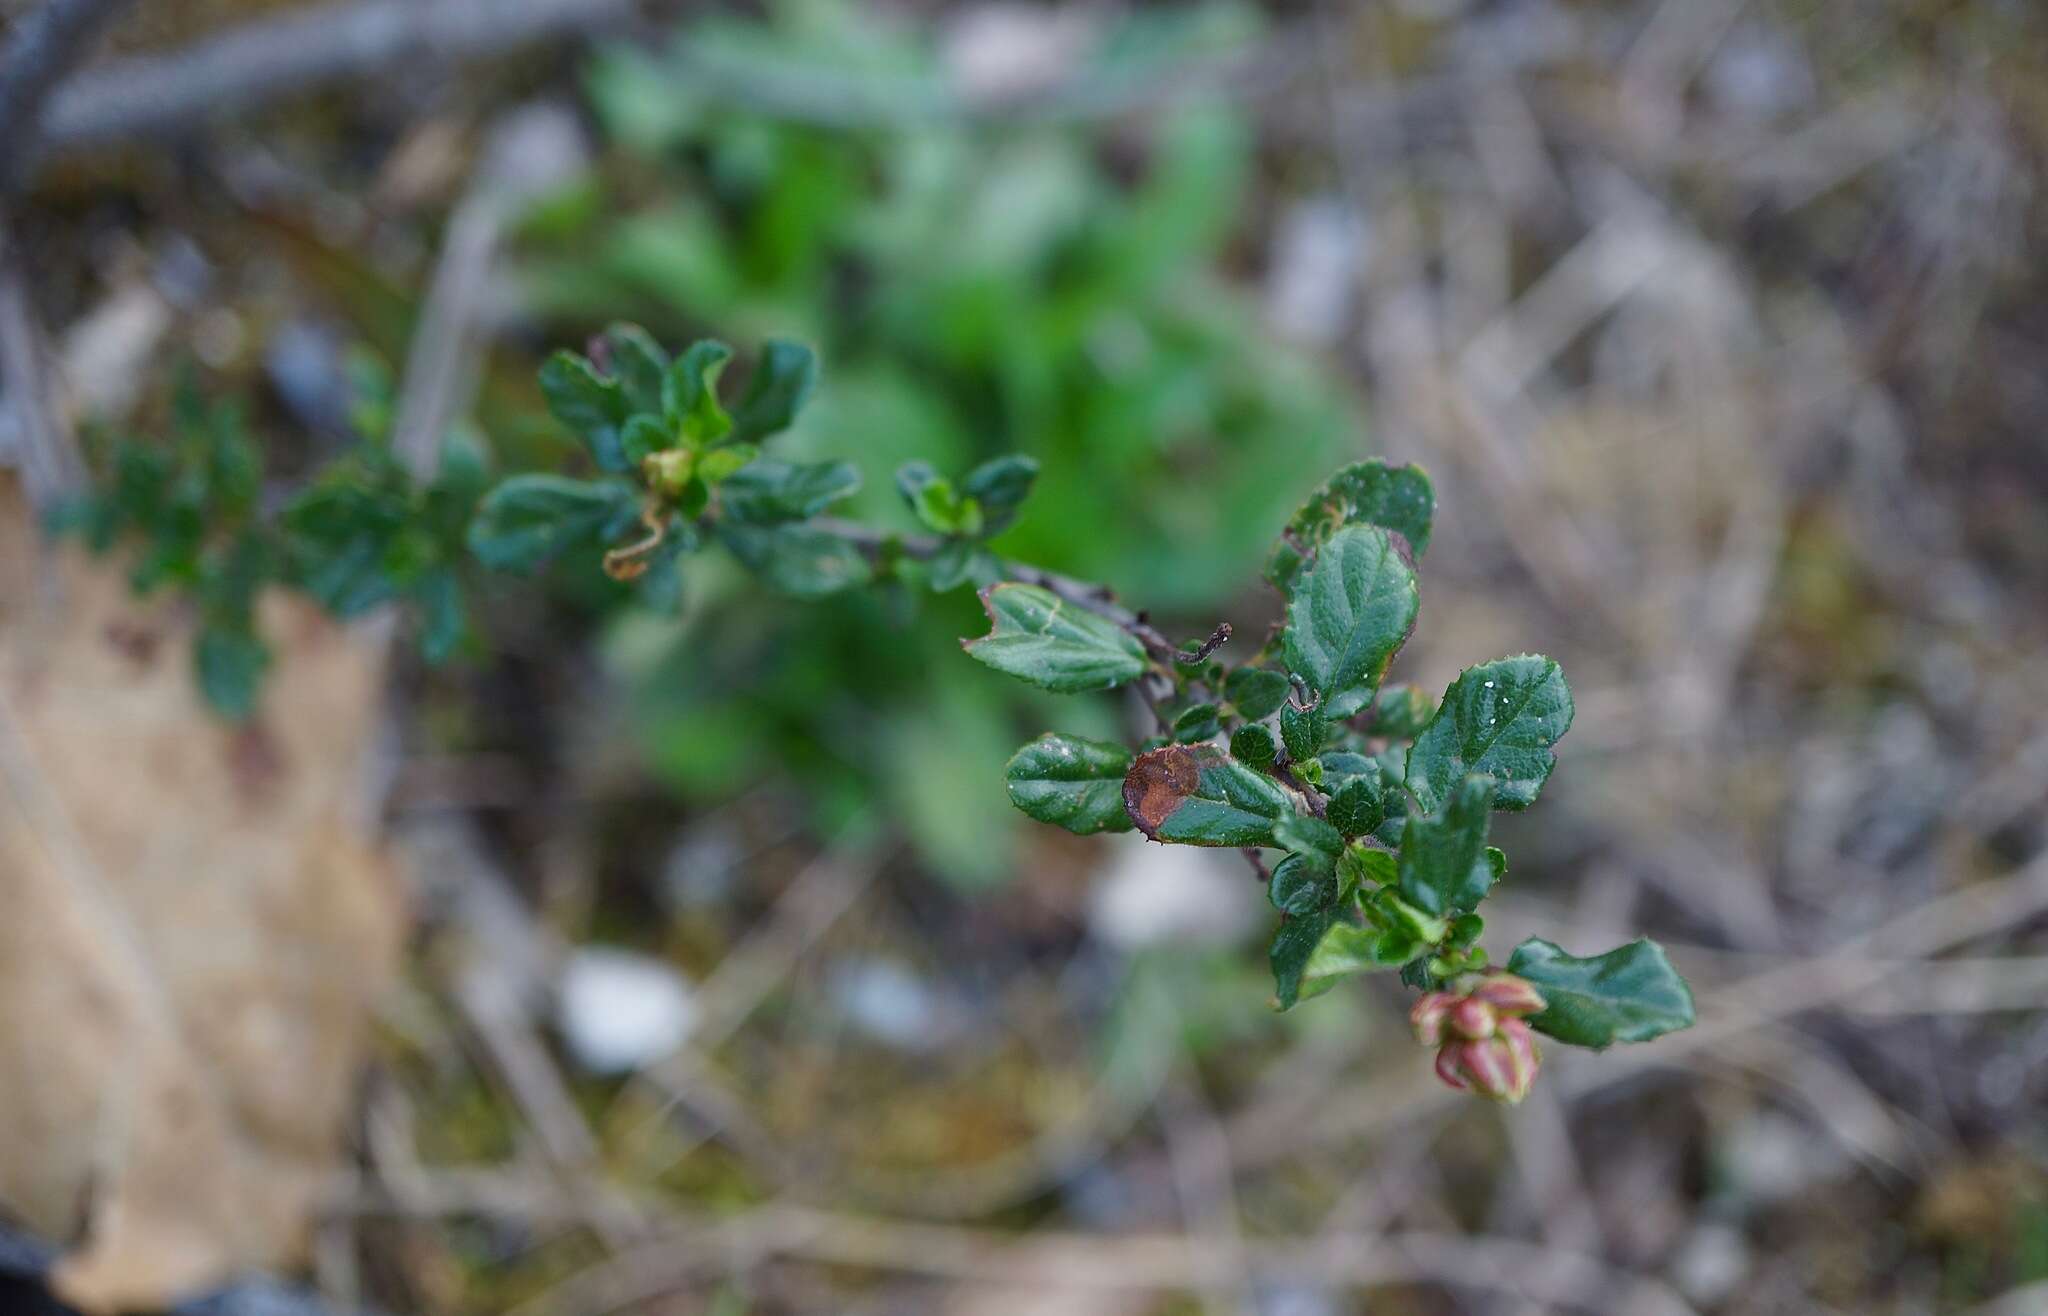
(639, 364)
(798, 560)
(1199, 795)
(1347, 950)
(1039, 637)
(783, 381)
(1253, 744)
(1255, 692)
(1444, 867)
(1072, 783)
(1306, 835)
(1352, 608)
(229, 662)
(1300, 884)
(1398, 498)
(1358, 806)
(766, 491)
(1198, 722)
(1629, 994)
(1500, 719)
(1294, 945)
(591, 405)
(1000, 487)
(689, 393)
(1302, 731)
(529, 518)
(1400, 712)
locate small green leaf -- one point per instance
(643, 436)
(1362, 865)
(1039, 637)
(1294, 945)
(1444, 862)
(230, 662)
(529, 518)
(1501, 719)
(1347, 950)
(962, 562)
(936, 504)
(689, 393)
(721, 465)
(1300, 884)
(798, 560)
(1072, 783)
(1000, 487)
(1195, 723)
(1352, 608)
(1629, 994)
(1307, 835)
(1253, 744)
(1255, 692)
(442, 623)
(766, 491)
(592, 406)
(1358, 806)
(639, 364)
(1302, 731)
(1398, 498)
(782, 383)
(1198, 795)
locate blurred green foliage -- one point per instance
(978, 287)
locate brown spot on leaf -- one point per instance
(1158, 783)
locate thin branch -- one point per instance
(43, 49)
(44, 447)
(272, 59)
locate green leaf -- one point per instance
(1039, 637)
(783, 381)
(1444, 863)
(1199, 795)
(338, 535)
(689, 393)
(798, 560)
(639, 364)
(936, 504)
(1362, 865)
(719, 466)
(1300, 884)
(230, 662)
(1302, 731)
(528, 519)
(1398, 498)
(1306, 835)
(1255, 692)
(442, 623)
(1347, 950)
(766, 491)
(961, 562)
(1198, 722)
(1629, 994)
(1254, 744)
(1294, 945)
(1359, 805)
(1000, 486)
(1351, 609)
(591, 405)
(1500, 719)
(643, 436)
(1072, 783)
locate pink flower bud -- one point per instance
(1512, 997)
(1427, 1018)
(1447, 1065)
(1471, 1019)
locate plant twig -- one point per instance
(43, 49)
(271, 59)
